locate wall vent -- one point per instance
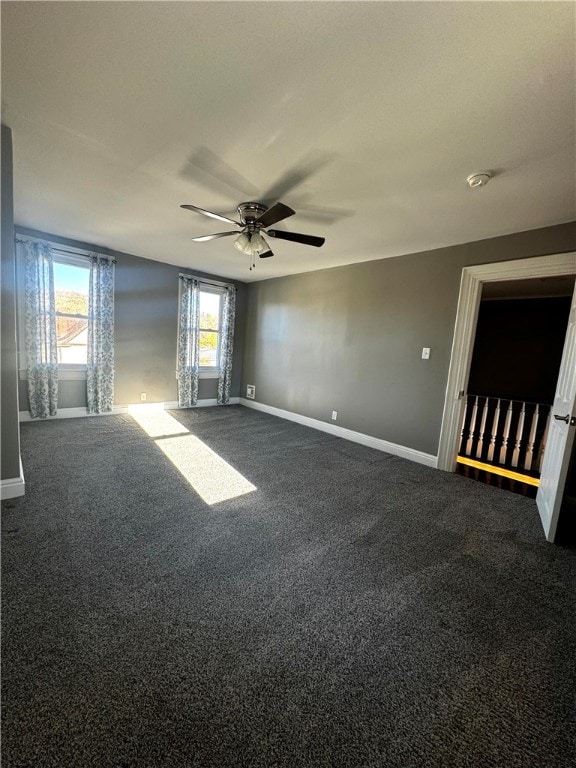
(251, 391)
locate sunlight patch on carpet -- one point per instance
(155, 421)
(213, 479)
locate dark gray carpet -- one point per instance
(356, 610)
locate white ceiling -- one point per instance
(121, 111)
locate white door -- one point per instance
(560, 434)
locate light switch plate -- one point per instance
(425, 353)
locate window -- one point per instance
(205, 338)
(209, 330)
(71, 284)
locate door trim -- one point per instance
(473, 278)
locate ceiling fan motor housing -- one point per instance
(248, 212)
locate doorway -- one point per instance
(473, 281)
(515, 363)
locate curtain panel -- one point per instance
(40, 329)
(226, 345)
(188, 341)
(100, 360)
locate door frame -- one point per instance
(472, 281)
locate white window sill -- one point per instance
(208, 374)
(71, 374)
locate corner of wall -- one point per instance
(11, 467)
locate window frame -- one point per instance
(64, 254)
(72, 370)
(212, 371)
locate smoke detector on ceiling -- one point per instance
(479, 179)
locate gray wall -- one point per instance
(350, 339)
(10, 446)
(145, 332)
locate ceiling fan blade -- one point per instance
(218, 172)
(297, 238)
(321, 214)
(212, 237)
(212, 215)
(310, 164)
(278, 212)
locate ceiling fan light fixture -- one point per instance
(242, 243)
(251, 243)
(258, 244)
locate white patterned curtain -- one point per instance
(188, 341)
(100, 369)
(226, 345)
(40, 329)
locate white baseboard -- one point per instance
(201, 404)
(74, 413)
(63, 413)
(347, 434)
(13, 486)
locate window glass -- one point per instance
(208, 344)
(210, 310)
(209, 331)
(71, 296)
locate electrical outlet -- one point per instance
(334, 415)
(142, 396)
(426, 353)
(251, 391)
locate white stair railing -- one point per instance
(505, 433)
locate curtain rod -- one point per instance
(206, 280)
(56, 247)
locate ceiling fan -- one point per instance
(255, 218)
